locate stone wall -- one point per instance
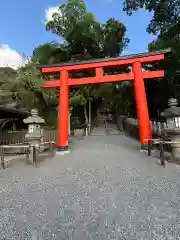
(130, 126)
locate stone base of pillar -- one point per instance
(144, 147)
(62, 148)
(62, 152)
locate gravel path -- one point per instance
(104, 189)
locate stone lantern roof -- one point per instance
(34, 118)
(173, 110)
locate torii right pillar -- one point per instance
(141, 104)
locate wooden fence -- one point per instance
(15, 137)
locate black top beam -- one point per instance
(139, 55)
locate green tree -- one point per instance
(171, 85)
(83, 38)
(114, 40)
(26, 91)
(165, 24)
(166, 13)
(50, 53)
(7, 75)
(87, 38)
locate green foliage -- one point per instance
(7, 75)
(165, 24)
(25, 89)
(50, 53)
(165, 13)
(83, 38)
(114, 38)
(84, 35)
(171, 86)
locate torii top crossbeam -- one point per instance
(98, 65)
(104, 63)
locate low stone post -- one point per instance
(172, 129)
(35, 134)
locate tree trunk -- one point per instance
(97, 113)
(89, 122)
(85, 115)
(86, 119)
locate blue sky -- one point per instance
(22, 28)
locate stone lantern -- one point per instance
(172, 115)
(35, 132)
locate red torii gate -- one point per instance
(137, 74)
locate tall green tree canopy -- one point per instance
(166, 13)
(165, 24)
(83, 37)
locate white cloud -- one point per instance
(48, 17)
(49, 13)
(10, 57)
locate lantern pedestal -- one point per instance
(174, 134)
(172, 115)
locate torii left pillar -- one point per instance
(141, 104)
(63, 119)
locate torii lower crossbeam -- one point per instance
(137, 75)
